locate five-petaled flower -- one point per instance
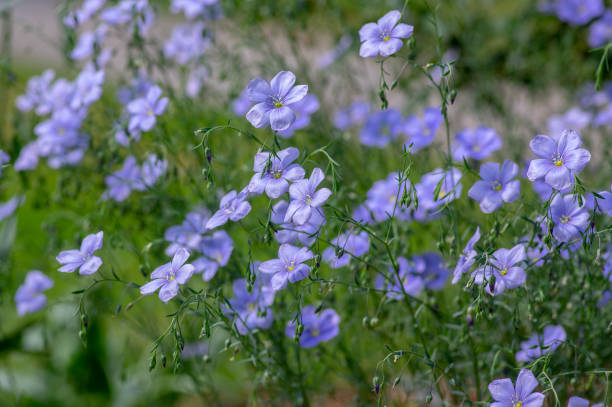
(288, 267)
(169, 276)
(506, 394)
(569, 218)
(82, 259)
(496, 186)
(273, 172)
(273, 101)
(233, 206)
(384, 37)
(305, 199)
(558, 159)
(318, 327)
(29, 297)
(539, 345)
(503, 265)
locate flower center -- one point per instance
(386, 38)
(251, 306)
(496, 186)
(62, 131)
(315, 332)
(476, 148)
(308, 199)
(564, 219)
(518, 404)
(557, 160)
(277, 174)
(219, 258)
(504, 272)
(441, 194)
(150, 112)
(278, 104)
(277, 101)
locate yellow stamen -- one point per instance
(386, 38)
(518, 404)
(278, 104)
(558, 163)
(504, 272)
(315, 332)
(498, 187)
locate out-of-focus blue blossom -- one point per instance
(600, 32)
(477, 143)
(467, 257)
(410, 278)
(120, 184)
(605, 204)
(29, 297)
(346, 245)
(84, 14)
(569, 219)
(539, 345)
(144, 110)
(192, 8)
(434, 270)
(88, 42)
(559, 159)
(497, 186)
(381, 128)
(576, 401)
(506, 394)
(28, 157)
(575, 119)
(384, 37)
(504, 266)
(305, 198)
(242, 104)
(274, 100)
(152, 168)
(292, 233)
(88, 88)
(187, 43)
(274, 172)
(188, 234)
(168, 277)
(252, 310)
(138, 13)
(579, 12)
(303, 109)
(4, 159)
(332, 55)
(36, 91)
(354, 115)
(420, 132)
(84, 258)
(195, 81)
(436, 189)
(8, 208)
(288, 267)
(318, 327)
(217, 250)
(233, 206)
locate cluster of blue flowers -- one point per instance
(296, 196)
